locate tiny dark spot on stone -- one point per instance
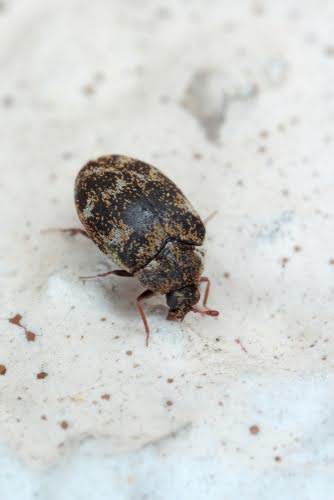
(278, 458)
(64, 424)
(284, 261)
(226, 275)
(169, 402)
(3, 369)
(198, 156)
(129, 353)
(164, 99)
(170, 380)
(103, 319)
(297, 248)
(43, 417)
(7, 100)
(329, 50)
(105, 396)
(67, 155)
(262, 149)
(331, 262)
(41, 375)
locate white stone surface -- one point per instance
(234, 101)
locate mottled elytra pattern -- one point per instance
(131, 210)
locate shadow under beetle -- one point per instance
(144, 223)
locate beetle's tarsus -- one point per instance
(206, 312)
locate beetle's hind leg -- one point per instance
(145, 295)
(117, 272)
(71, 230)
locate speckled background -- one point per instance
(234, 102)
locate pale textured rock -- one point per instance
(234, 101)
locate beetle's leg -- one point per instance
(117, 272)
(209, 217)
(206, 280)
(145, 295)
(208, 312)
(71, 230)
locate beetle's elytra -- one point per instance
(144, 223)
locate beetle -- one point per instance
(141, 220)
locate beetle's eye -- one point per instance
(172, 301)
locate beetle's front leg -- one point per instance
(145, 295)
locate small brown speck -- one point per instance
(284, 261)
(262, 149)
(254, 429)
(197, 156)
(103, 319)
(169, 403)
(88, 90)
(64, 424)
(15, 320)
(30, 336)
(170, 380)
(226, 275)
(129, 353)
(297, 248)
(41, 375)
(278, 458)
(331, 262)
(324, 358)
(43, 417)
(264, 134)
(105, 396)
(3, 369)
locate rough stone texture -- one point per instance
(234, 102)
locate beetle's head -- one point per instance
(182, 301)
